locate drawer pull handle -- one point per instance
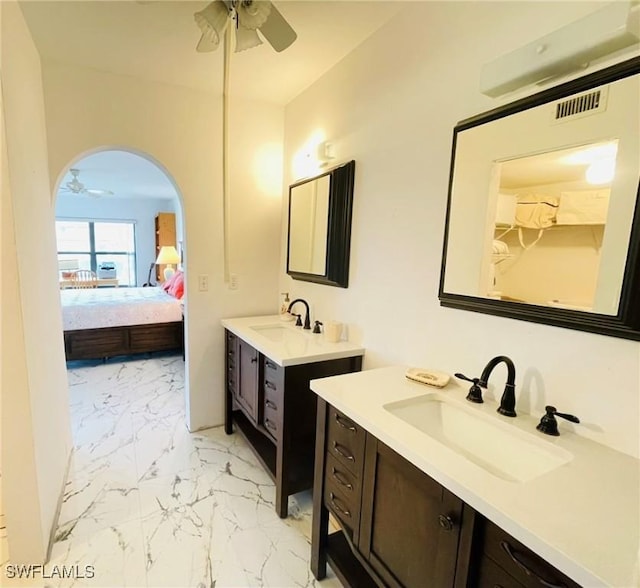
(340, 509)
(254, 359)
(271, 405)
(340, 479)
(270, 365)
(268, 384)
(269, 425)
(344, 424)
(507, 548)
(340, 450)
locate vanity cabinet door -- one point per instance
(247, 386)
(410, 524)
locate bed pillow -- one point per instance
(177, 286)
(166, 285)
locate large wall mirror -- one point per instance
(542, 218)
(320, 227)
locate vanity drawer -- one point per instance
(491, 575)
(519, 561)
(339, 477)
(274, 374)
(231, 361)
(345, 441)
(272, 413)
(345, 507)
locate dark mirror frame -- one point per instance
(339, 227)
(626, 324)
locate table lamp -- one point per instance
(168, 256)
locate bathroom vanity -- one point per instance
(269, 364)
(401, 468)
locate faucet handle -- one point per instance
(298, 319)
(548, 424)
(475, 393)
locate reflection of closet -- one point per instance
(165, 236)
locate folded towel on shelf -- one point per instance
(500, 247)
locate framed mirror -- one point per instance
(320, 210)
(543, 220)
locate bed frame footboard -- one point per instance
(129, 340)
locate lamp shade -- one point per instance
(168, 255)
(213, 21)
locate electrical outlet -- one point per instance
(233, 282)
(203, 283)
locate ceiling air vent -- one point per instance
(582, 105)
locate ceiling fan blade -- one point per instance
(97, 192)
(278, 31)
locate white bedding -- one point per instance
(96, 308)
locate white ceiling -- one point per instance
(125, 174)
(156, 40)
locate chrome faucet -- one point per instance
(307, 320)
(508, 401)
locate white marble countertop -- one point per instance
(583, 517)
(287, 344)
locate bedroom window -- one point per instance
(92, 243)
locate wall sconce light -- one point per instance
(169, 256)
(568, 49)
(324, 153)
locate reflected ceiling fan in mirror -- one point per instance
(249, 17)
(75, 186)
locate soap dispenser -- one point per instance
(284, 309)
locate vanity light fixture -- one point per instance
(566, 50)
(324, 153)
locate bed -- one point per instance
(105, 322)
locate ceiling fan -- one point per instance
(249, 17)
(75, 186)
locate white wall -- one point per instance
(142, 211)
(391, 105)
(36, 436)
(181, 129)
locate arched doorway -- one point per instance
(115, 208)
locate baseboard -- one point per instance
(54, 526)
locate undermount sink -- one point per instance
(275, 332)
(499, 448)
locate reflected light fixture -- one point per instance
(601, 172)
(168, 256)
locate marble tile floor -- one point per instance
(149, 504)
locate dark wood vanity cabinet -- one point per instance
(401, 501)
(501, 560)
(274, 409)
(399, 527)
